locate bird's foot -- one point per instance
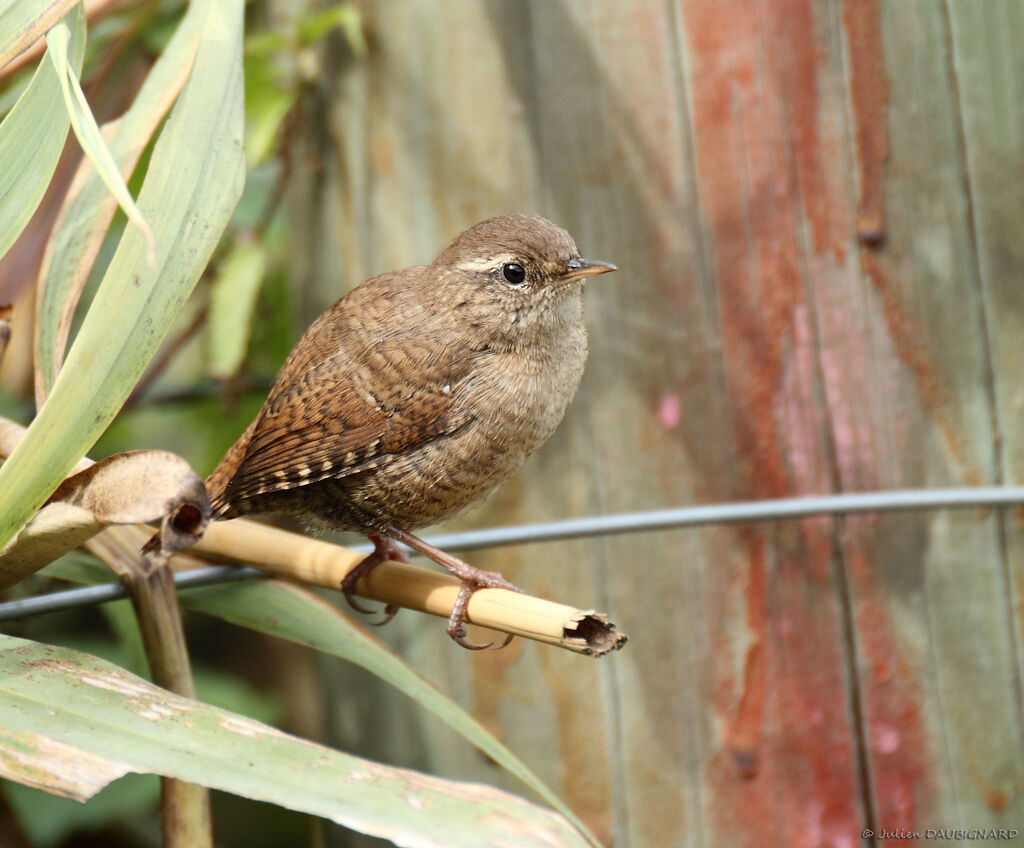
(457, 619)
(384, 548)
(472, 579)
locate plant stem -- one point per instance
(185, 807)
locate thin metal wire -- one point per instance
(901, 500)
(732, 513)
(90, 595)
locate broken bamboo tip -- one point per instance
(594, 635)
(314, 561)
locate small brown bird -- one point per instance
(418, 393)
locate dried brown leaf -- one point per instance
(134, 487)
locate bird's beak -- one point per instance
(577, 269)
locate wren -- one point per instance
(417, 394)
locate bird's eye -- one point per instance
(513, 273)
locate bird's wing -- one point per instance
(327, 424)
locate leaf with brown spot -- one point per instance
(73, 722)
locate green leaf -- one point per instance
(89, 207)
(267, 102)
(88, 133)
(23, 21)
(280, 609)
(264, 43)
(232, 301)
(12, 89)
(346, 17)
(32, 137)
(194, 180)
(72, 723)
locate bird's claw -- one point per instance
(390, 611)
(457, 619)
(383, 549)
(387, 547)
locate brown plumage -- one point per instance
(418, 393)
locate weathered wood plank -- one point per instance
(776, 210)
(925, 588)
(988, 67)
(820, 291)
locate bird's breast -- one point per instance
(518, 397)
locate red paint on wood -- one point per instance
(901, 764)
(869, 97)
(908, 338)
(743, 733)
(746, 160)
(811, 144)
(786, 771)
(997, 800)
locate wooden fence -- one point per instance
(818, 211)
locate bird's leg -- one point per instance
(472, 579)
(384, 548)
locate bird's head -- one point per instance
(517, 277)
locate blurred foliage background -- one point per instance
(200, 392)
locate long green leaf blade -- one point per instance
(72, 723)
(83, 122)
(89, 207)
(32, 137)
(192, 185)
